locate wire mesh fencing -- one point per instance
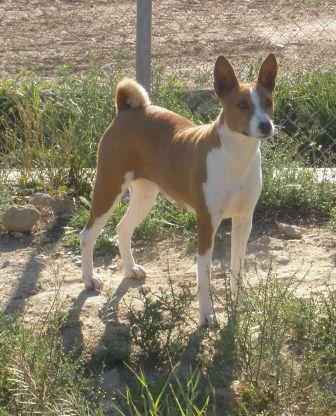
(45, 40)
(48, 38)
(189, 35)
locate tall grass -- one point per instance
(35, 375)
(49, 132)
(173, 398)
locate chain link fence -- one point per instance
(46, 39)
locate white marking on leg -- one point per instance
(143, 195)
(206, 312)
(241, 229)
(88, 237)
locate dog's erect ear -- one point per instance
(225, 78)
(268, 72)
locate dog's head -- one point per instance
(247, 108)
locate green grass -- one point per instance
(306, 115)
(49, 132)
(5, 199)
(171, 398)
(35, 375)
(157, 330)
(166, 218)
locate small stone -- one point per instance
(78, 263)
(17, 234)
(290, 231)
(41, 200)
(20, 218)
(62, 207)
(6, 263)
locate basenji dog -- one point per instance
(213, 170)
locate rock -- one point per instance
(62, 206)
(17, 235)
(20, 219)
(111, 380)
(290, 231)
(41, 200)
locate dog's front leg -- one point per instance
(204, 255)
(241, 228)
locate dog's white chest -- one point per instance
(231, 188)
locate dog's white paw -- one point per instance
(93, 283)
(136, 272)
(208, 320)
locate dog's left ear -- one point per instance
(268, 73)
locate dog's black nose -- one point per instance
(265, 127)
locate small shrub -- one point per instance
(158, 329)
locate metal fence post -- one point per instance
(143, 43)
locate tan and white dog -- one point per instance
(213, 170)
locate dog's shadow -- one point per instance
(109, 311)
(114, 346)
(218, 371)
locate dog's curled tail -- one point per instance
(130, 94)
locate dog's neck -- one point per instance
(242, 149)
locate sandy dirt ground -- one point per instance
(32, 269)
(187, 35)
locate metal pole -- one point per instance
(143, 43)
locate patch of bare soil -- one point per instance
(32, 270)
(187, 35)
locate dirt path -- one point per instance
(32, 271)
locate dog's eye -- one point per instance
(268, 103)
(242, 105)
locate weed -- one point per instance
(174, 398)
(32, 28)
(158, 330)
(35, 376)
(5, 199)
(52, 24)
(198, 48)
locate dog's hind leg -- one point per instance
(106, 194)
(143, 195)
